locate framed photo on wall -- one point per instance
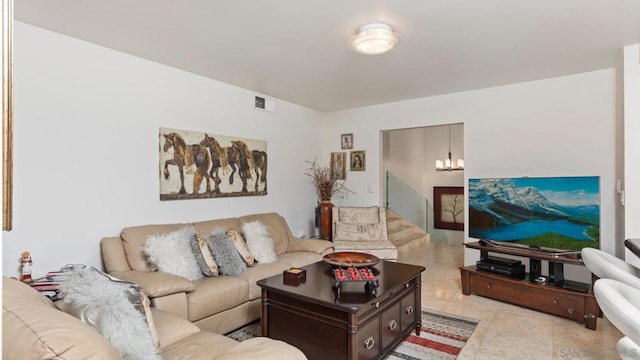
(448, 207)
(358, 161)
(347, 141)
(339, 165)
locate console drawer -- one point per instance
(543, 298)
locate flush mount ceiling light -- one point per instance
(374, 39)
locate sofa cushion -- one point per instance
(171, 328)
(215, 294)
(359, 215)
(262, 348)
(205, 227)
(276, 226)
(358, 232)
(134, 239)
(383, 249)
(261, 271)
(225, 254)
(202, 345)
(117, 309)
(259, 242)
(172, 253)
(299, 259)
(33, 328)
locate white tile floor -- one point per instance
(506, 331)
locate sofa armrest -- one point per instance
(156, 284)
(312, 245)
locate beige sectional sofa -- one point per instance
(34, 328)
(218, 304)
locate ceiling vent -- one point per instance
(263, 103)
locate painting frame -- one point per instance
(206, 163)
(357, 160)
(452, 198)
(339, 164)
(346, 141)
(7, 115)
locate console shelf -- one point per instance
(551, 297)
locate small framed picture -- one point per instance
(358, 161)
(347, 141)
(339, 165)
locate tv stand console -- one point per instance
(569, 299)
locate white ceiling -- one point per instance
(296, 50)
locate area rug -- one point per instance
(442, 336)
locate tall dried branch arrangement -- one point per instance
(326, 182)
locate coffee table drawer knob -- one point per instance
(393, 325)
(369, 343)
(409, 310)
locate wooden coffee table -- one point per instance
(357, 325)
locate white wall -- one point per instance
(563, 126)
(86, 148)
(631, 148)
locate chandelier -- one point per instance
(447, 164)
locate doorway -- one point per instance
(409, 164)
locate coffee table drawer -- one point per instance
(390, 325)
(408, 311)
(369, 340)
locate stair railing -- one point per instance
(407, 202)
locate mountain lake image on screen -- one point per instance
(554, 212)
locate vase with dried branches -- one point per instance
(327, 186)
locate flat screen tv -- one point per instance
(546, 212)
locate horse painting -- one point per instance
(260, 163)
(219, 159)
(201, 157)
(202, 160)
(179, 152)
(185, 157)
(243, 158)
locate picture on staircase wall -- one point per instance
(448, 207)
(197, 165)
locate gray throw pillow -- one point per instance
(225, 254)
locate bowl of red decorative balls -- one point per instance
(348, 259)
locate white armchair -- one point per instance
(362, 229)
(620, 303)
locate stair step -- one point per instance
(406, 236)
(416, 241)
(401, 231)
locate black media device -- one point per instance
(556, 272)
(514, 270)
(535, 269)
(500, 261)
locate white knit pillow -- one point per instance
(172, 253)
(260, 244)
